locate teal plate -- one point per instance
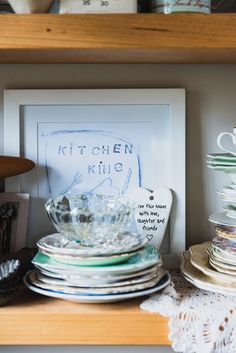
(222, 157)
(91, 261)
(146, 258)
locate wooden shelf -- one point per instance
(137, 38)
(36, 320)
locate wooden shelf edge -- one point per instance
(124, 38)
(36, 320)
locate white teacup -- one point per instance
(232, 137)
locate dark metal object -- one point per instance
(13, 267)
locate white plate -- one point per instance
(228, 189)
(99, 279)
(225, 168)
(202, 281)
(32, 275)
(95, 283)
(231, 195)
(61, 245)
(99, 298)
(221, 269)
(222, 219)
(146, 258)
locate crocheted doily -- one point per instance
(199, 321)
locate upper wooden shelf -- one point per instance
(136, 38)
(36, 320)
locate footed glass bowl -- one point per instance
(90, 219)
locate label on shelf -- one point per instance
(170, 6)
(98, 6)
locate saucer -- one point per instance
(59, 244)
(226, 232)
(222, 219)
(225, 244)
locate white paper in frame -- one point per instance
(121, 137)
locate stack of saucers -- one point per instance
(225, 162)
(212, 265)
(117, 270)
(208, 268)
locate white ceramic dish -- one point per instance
(228, 189)
(98, 298)
(227, 193)
(222, 219)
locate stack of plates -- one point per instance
(212, 265)
(222, 161)
(119, 270)
(209, 268)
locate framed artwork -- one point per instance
(98, 139)
(13, 221)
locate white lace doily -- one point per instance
(199, 321)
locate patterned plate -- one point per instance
(102, 283)
(61, 245)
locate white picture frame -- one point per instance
(27, 111)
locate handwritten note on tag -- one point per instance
(152, 213)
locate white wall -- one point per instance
(211, 107)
